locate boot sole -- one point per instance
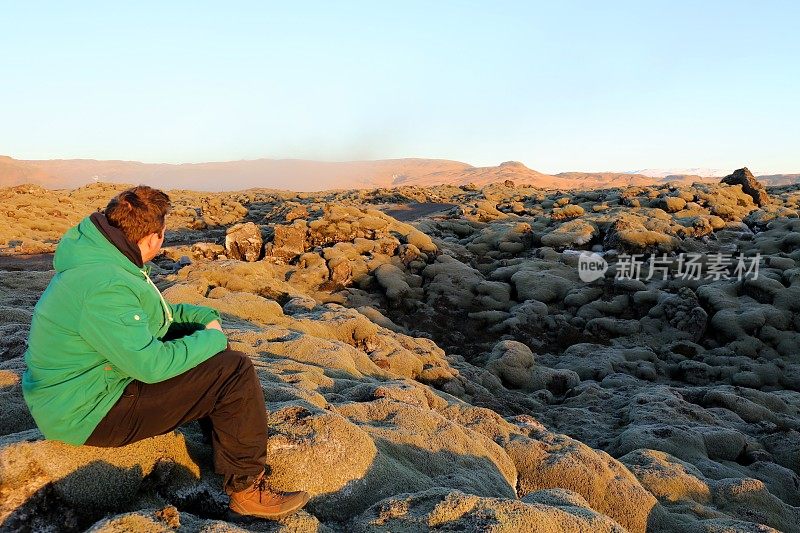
(269, 516)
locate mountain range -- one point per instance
(304, 175)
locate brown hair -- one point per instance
(138, 212)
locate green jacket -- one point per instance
(96, 328)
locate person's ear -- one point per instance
(155, 240)
(149, 241)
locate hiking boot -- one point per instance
(259, 500)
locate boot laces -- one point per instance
(261, 486)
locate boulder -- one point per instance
(43, 476)
(243, 242)
(550, 460)
(750, 185)
(570, 234)
(443, 509)
(289, 240)
(208, 250)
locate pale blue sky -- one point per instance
(557, 85)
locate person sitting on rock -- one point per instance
(111, 362)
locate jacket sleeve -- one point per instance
(193, 314)
(113, 323)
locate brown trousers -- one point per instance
(223, 393)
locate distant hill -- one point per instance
(302, 175)
(480, 176)
(13, 172)
(594, 180)
(689, 175)
(664, 172)
(779, 179)
(290, 174)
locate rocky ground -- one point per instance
(433, 360)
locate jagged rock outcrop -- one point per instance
(750, 185)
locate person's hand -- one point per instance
(214, 324)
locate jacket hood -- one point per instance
(116, 237)
(94, 241)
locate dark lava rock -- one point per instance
(750, 185)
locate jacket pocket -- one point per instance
(113, 377)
